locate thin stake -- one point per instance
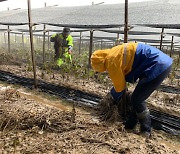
(5, 38)
(23, 39)
(126, 22)
(31, 42)
(44, 35)
(9, 40)
(172, 43)
(48, 41)
(90, 48)
(80, 43)
(161, 38)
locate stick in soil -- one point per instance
(73, 113)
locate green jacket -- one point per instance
(60, 41)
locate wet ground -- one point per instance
(34, 122)
(67, 129)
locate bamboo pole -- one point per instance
(31, 43)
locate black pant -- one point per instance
(144, 90)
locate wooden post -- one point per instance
(9, 40)
(166, 49)
(117, 40)
(48, 41)
(179, 58)
(90, 48)
(5, 38)
(172, 43)
(44, 37)
(126, 22)
(31, 43)
(161, 38)
(8, 31)
(80, 43)
(23, 39)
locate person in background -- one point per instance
(63, 45)
(130, 62)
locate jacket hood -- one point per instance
(98, 59)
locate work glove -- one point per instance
(70, 49)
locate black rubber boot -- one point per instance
(145, 122)
(131, 121)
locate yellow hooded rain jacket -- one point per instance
(117, 61)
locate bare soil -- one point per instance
(166, 101)
(32, 122)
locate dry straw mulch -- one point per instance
(18, 113)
